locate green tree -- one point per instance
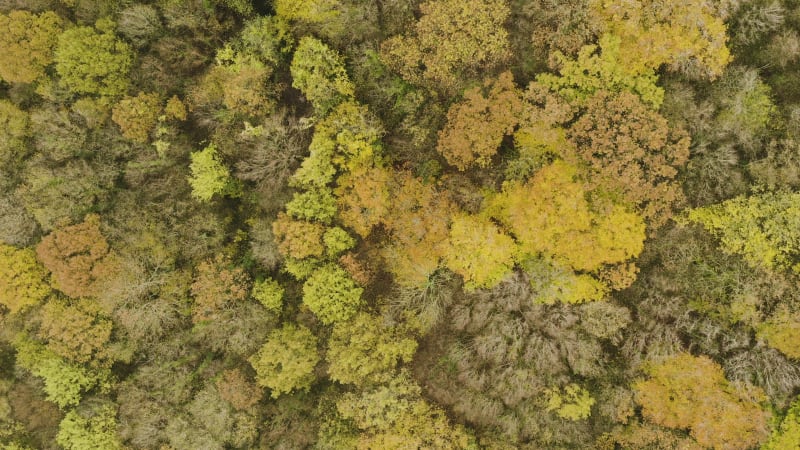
(98, 431)
(209, 175)
(331, 294)
(337, 241)
(763, 228)
(781, 331)
(452, 40)
(26, 44)
(315, 204)
(269, 293)
(137, 116)
(312, 11)
(93, 61)
(601, 67)
(365, 350)
(23, 282)
(571, 402)
(14, 131)
(476, 126)
(479, 251)
(64, 382)
(691, 392)
(787, 435)
(286, 361)
(319, 73)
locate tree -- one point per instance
(395, 416)
(319, 73)
(601, 67)
(550, 217)
(63, 382)
(476, 126)
(452, 40)
(418, 222)
(269, 293)
(23, 282)
(26, 44)
(217, 286)
(76, 331)
(92, 62)
(314, 204)
(331, 294)
(235, 388)
(336, 241)
(764, 228)
(13, 133)
(96, 432)
(631, 149)
(571, 402)
(364, 350)
(209, 175)
(297, 238)
(286, 361)
(781, 331)
(312, 11)
(691, 392)
(363, 198)
(787, 435)
(479, 251)
(79, 258)
(137, 116)
(688, 36)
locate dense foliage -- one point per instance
(405, 224)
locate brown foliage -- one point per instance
(78, 257)
(476, 126)
(631, 149)
(236, 389)
(75, 330)
(217, 285)
(297, 238)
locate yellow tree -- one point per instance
(479, 251)
(27, 42)
(689, 35)
(23, 282)
(691, 392)
(452, 39)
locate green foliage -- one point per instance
(337, 241)
(331, 294)
(314, 204)
(269, 293)
(286, 361)
(601, 67)
(266, 38)
(365, 350)
(27, 44)
(319, 73)
(23, 282)
(13, 133)
(555, 283)
(763, 228)
(97, 432)
(571, 402)
(312, 11)
(92, 62)
(479, 251)
(64, 382)
(209, 175)
(787, 435)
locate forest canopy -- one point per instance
(405, 224)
